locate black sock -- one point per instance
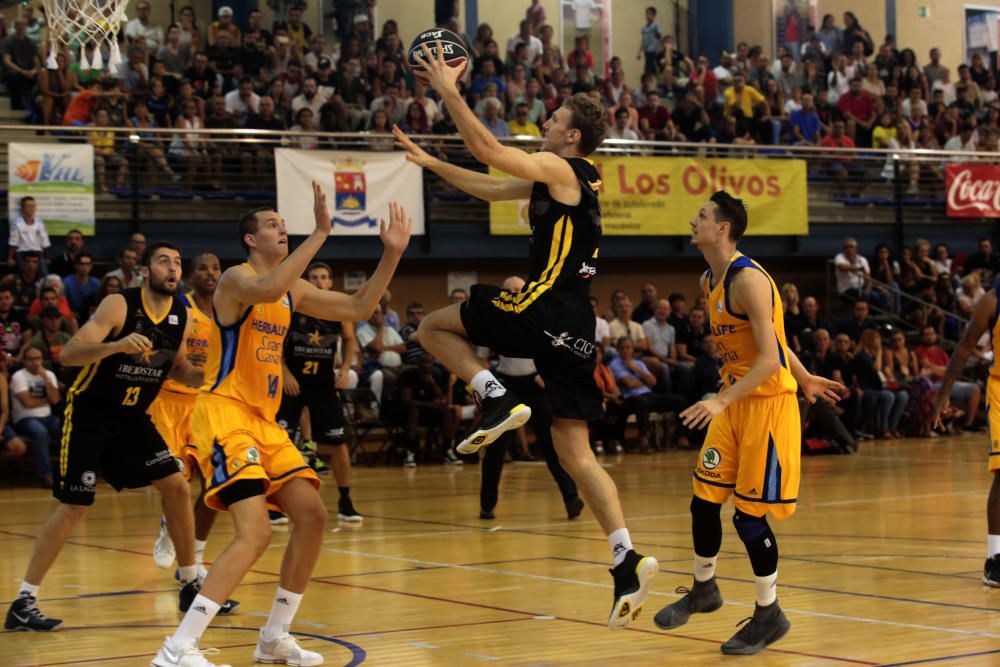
(345, 492)
(706, 527)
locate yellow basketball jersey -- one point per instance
(203, 335)
(246, 365)
(995, 332)
(733, 335)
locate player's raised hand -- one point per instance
(321, 210)
(440, 75)
(396, 234)
(134, 343)
(414, 153)
(701, 413)
(819, 387)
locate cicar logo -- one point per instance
(51, 168)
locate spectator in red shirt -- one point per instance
(581, 55)
(706, 85)
(841, 164)
(931, 361)
(858, 109)
(654, 119)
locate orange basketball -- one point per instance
(28, 171)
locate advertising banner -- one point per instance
(61, 179)
(658, 196)
(973, 190)
(358, 187)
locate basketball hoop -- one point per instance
(82, 22)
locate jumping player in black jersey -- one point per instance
(130, 346)
(311, 381)
(550, 320)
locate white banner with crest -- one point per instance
(358, 187)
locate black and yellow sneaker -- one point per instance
(702, 598)
(23, 615)
(632, 577)
(991, 571)
(766, 626)
(500, 414)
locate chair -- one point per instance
(362, 420)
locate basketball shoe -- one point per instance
(346, 511)
(285, 650)
(184, 655)
(991, 571)
(500, 414)
(163, 549)
(190, 590)
(632, 577)
(766, 626)
(24, 615)
(573, 507)
(703, 597)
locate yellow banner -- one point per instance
(658, 196)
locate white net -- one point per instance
(74, 23)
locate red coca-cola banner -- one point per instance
(973, 190)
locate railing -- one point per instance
(898, 187)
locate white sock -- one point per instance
(992, 546)
(188, 573)
(283, 611)
(767, 589)
(486, 385)
(199, 551)
(704, 568)
(195, 621)
(28, 589)
(621, 544)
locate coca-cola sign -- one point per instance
(973, 190)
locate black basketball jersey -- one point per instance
(132, 381)
(310, 348)
(564, 239)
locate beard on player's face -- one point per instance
(166, 285)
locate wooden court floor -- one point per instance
(880, 566)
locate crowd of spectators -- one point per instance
(828, 85)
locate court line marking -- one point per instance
(943, 658)
(580, 582)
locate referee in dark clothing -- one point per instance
(521, 377)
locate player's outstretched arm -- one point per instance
(751, 293)
(337, 306)
(974, 330)
(246, 288)
(476, 183)
(536, 167)
(183, 370)
(87, 346)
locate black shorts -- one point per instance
(326, 415)
(125, 447)
(556, 331)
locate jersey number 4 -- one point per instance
(272, 386)
(131, 396)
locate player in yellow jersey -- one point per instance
(985, 319)
(754, 435)
(253, 464)
(171, 411)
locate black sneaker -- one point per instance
(702, 598)
(190, 590)
(346, 511)
(573, 507)
(991, 572)
(632, 577)
(23, 615)
(766, 626)
(500, 414)
(451, 458)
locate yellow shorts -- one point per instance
(235, 443)
(752, 451)
(993, 416)
(171, 414)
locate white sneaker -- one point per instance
(163, 549)
(410, 461)
(184, 656)
(285, 650)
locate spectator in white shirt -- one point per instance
(533, 56)
(602, 334)
(963, 141)
(242, 102)
(34, 390)
(127, 273)
(945, 85)
(620, 129)
(28, 234)
(662, 339)
(142, 27)
(313, 96)
(853, 273)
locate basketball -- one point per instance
(455, 53)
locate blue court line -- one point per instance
(358, 654)
(814, 589)
(925, 661)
